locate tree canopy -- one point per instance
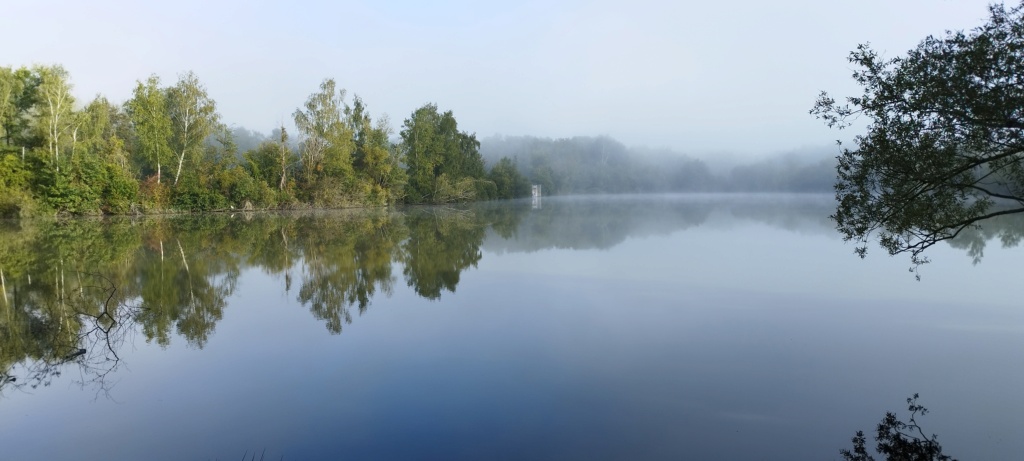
(444, 163)
(166, 149)
(944, 142)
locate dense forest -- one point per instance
(166, 149)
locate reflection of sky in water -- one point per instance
(730, 339)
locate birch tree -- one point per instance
(54, 106)
(326, 141)
(149, 114)
(193, 118)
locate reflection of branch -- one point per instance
(3, 287)
(899, 440)
(183, 261)
(94, 349)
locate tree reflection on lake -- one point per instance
(658, 327)
(84, 284)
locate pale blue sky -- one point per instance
(699, 77)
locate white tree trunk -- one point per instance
(181, 160)
(186, 121)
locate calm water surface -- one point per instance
(665, 327)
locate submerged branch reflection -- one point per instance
(39, 343)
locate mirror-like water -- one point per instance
(661, 327)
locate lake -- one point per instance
(629, 327)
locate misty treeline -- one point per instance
(587, 165)
(167, 149)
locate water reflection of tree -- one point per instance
(173, 276)
(346, 261)
(1008, 229)
(184, 274)
(442, 243)
(81, 337)
(594, 223)
(59, 306)
(504, 217)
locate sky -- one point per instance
(699, 77)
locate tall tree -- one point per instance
(284, 156)
(97, 133)
(944, 148)
(17, 97)
(193, 118)
(11, 88)
(149, 114)
(325, 139)
(374, 159)
(55, 107)
(442, 162)
(99, 138)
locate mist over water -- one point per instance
(700, 326)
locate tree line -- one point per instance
(167, 149)
(602, 165)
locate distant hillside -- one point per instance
(585, 165)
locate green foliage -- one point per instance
(193, 116)
(945, 140)
(153, 195)
(263, 163)
(349, 259)
(269, 165)
(441, 244)
(149, 116)
(375, 160)
(327, 142)
(448, 189)
(114, 159)
(196, 193)
(19, 92)
(13, 173)
(179, 272)
(54, 104)
(346, 158)
(121, 191)
(439, 158)
(485, 189)
(15, 200)
(74, 190)
(508, 182)
(242, 190)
